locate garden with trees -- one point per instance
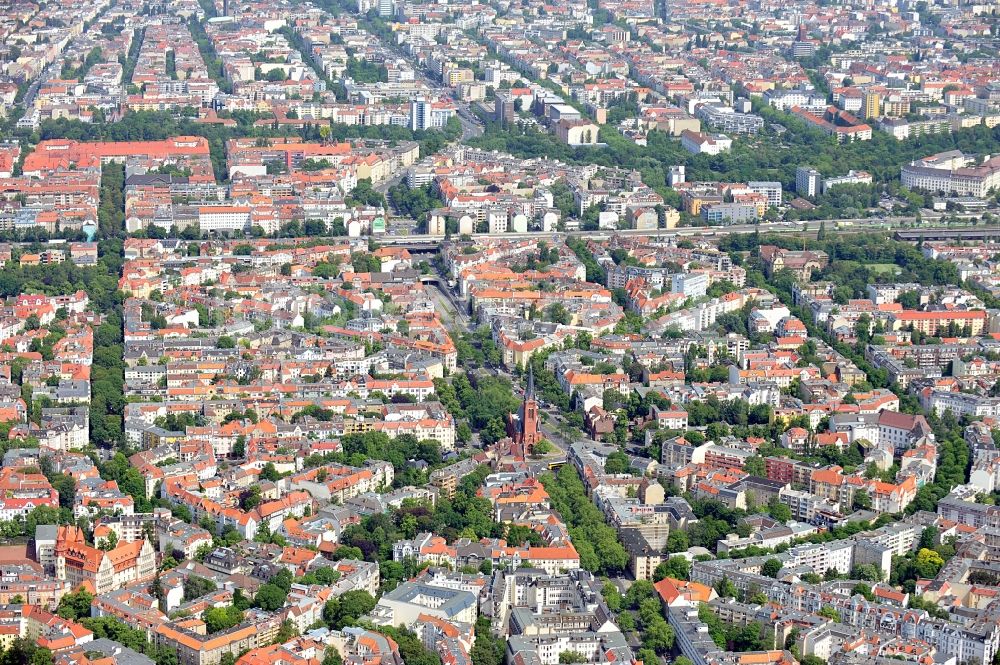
(786, 143)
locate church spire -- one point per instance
(529, 393)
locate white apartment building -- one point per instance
(953, 173)
(821, 557)
(224, 218)
(852, 178)
(710, 144)
(961, 404)
(807, 181)
(770, 189)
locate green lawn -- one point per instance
(890, 268)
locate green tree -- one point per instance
(487, 649)
(617, 463)
(771, 568)
(639, 591)
(218, 619)
(676, 567)
(365, 195)
(726, 589)
(928, 563)
(270, 597)
(779, 511)
(196, 586)
(557, 313)
(677, 541)
(829, 612)
(626, 622)
(867, 572)
(109, 542)
(658, 636)
(411, 649)
(75, 606)
(362, 262)
(864, 590)
(543, 447)
(595, 540)
(346, 609)
(754, 465)
(285, 632)
(240, 447)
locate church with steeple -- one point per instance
(522, 427)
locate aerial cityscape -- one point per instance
(499, 332)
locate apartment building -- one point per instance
(807, 182)
(194, 648)
(952, 173)
(935, 322)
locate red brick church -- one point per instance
(522, 427)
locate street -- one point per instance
(471, 127)
(384, 186)
(452, 310)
